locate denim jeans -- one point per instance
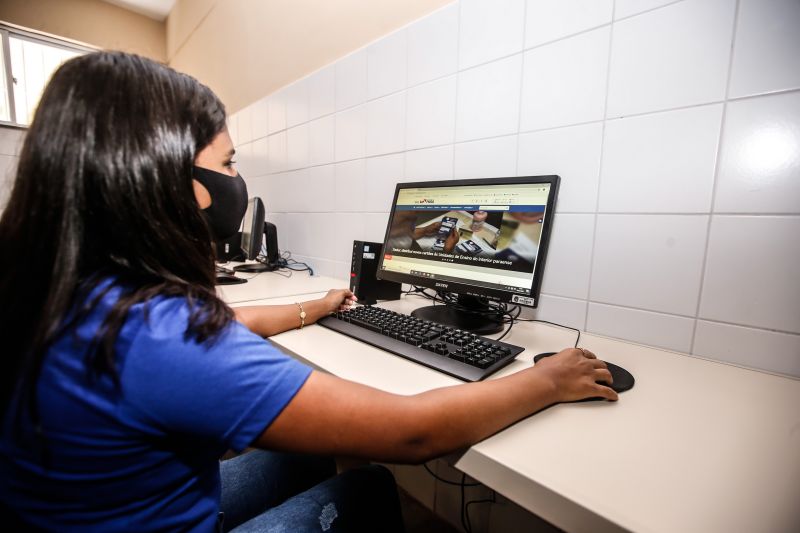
(273, 492)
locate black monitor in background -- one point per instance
(474, 241)
(254, 227)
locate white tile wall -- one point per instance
(244, 120)
(674, 56)
(573, 153)
(759, 169)
(626, 8)
(321, 188)
(382, 174)
(569, 258)
(489, 157)
(351, 133)
(386, 124)
(675, 133)
(566, 311)
(321, 135)
(430, 163)
(651, 262)
(657, 329)
(433, 46)
(751, 275)
(322, 92)
(662, 162)
(351, 80)
(297, 103)
(431, 114)
(490, 30)
(297, 147)
(767, 40)
(244, 158)
(387, 65)
(488, 99)
(564, 82)
(351, 178)
(548, 20)
(259, 122)
(277, 151)
(276, 113)
(754, 348)
(258, 158)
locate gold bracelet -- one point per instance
(302, 315)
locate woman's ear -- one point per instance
(201, 194)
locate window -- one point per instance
(29, 59)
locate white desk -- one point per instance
(276, 285)
(694, 446)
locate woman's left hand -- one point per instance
(339, 300)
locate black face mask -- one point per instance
(228, 201)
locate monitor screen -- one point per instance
(481, 237)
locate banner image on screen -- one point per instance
(481, 233)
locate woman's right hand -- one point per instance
(574, 373)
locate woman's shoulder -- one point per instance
(158, 318)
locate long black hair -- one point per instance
(103, 190)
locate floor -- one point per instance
(420, 519)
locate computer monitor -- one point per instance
(483, 240)
(253, 230)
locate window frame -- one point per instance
(6, 31)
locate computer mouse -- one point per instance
(623, 380)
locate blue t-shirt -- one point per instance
(144, 455)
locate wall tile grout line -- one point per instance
(521, 86)
(672, 315)
(628, 17)
(599, 173)
(458, 84)
(720, 142)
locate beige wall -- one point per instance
(90, 21)
(246, 49)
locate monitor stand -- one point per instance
(255, 267)
(473, 314)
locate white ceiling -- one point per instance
(155, 9)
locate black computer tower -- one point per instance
(363, 280)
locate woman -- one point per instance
(125, 376)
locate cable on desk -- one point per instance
(576, 330)
(285, 262)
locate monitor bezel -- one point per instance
(531, 299)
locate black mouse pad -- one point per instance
(623, 380)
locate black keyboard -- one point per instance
(458, 353)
